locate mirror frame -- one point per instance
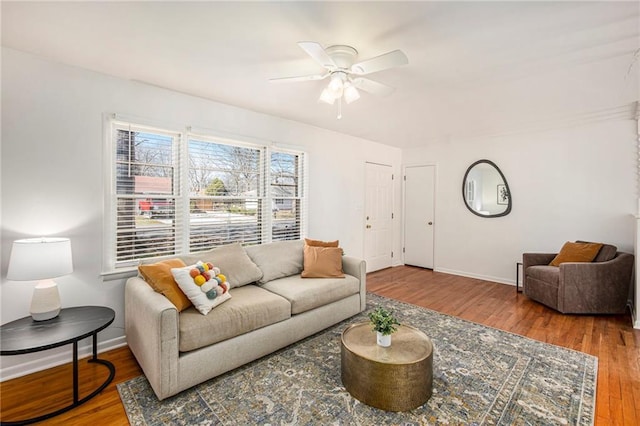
(464, 182)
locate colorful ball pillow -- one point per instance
(203, 284)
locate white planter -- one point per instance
(382, 340)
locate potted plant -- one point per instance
(384, 324)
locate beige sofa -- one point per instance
(179, 350)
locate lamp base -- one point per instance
(45, 303)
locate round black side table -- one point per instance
(25, 336)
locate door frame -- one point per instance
(404, 205)
(393, 212)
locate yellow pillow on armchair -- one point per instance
(576, 252)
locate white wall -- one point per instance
(52, 175)
(578, 182)
(565, 139)
(573, 181)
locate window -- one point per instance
(286, 197)
(225, 197)
(146, 189)
(176, 193)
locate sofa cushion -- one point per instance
(542, 284)
(542, 292)
(158, 276)
(546, 273)
(322, 262)
(233, 261)
(249, 308)
(307, 294)
(576, 252)
(277, 260)
(606, 253)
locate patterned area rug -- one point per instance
(480, 376)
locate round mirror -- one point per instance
(485, 190)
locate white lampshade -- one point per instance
(41, 259)
(336, 84)
(327, 97)
(350, 93)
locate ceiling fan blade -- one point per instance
(373, 87)
(314, 77)
(379, 63)
(317, 52)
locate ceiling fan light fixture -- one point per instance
(344, 73)
(327, 97)
(351, 94)
(336, 85)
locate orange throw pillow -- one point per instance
(322, 262)
(318, 243)
(159, 277)
(576, 252)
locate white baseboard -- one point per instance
(477, 276)
(635, 318)
(63, 357)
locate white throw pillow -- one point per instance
(206, 290)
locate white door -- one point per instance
(419, 223)
(378, 235)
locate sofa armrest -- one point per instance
(357, 268)
(534, 259)
(151, 327)
(601, 287)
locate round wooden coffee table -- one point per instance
(397, 378)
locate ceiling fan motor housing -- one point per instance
(343, 56)
(345, 73)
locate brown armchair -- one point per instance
(598, 287)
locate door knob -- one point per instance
(368, 226)
(430, 223)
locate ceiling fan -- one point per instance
(345, 74)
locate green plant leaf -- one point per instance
(383, 321)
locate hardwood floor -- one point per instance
(611, 338)
(46, 391)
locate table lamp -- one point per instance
(41, 259)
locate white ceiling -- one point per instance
(227, 51)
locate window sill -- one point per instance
(119, 274)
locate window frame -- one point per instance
(181, 192)
(260, 170)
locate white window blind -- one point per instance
(146, 188)
(286, 191)
(225, 194)
(174, 193)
